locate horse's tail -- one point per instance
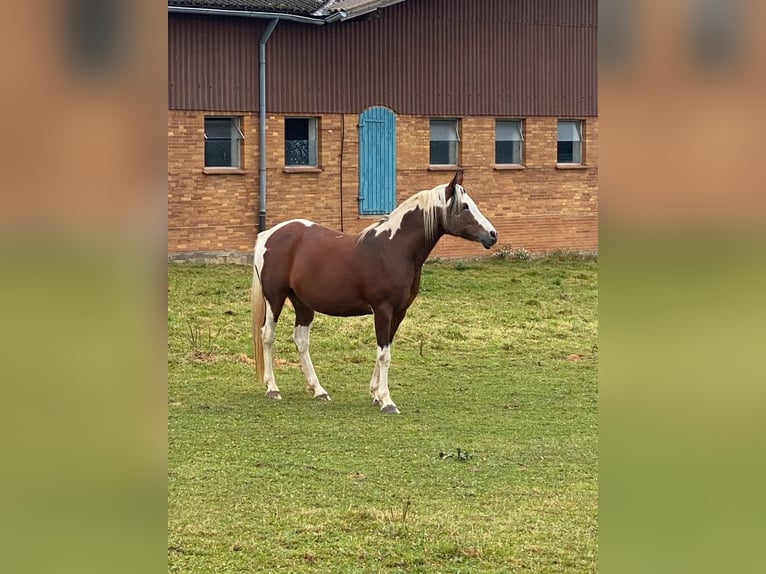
(259, 318)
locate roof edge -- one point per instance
(331, 11)
(252, 14)
(359, 8)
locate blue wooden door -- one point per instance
(377, 161)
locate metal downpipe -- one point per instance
(262, 120)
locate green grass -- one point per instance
(497, 359)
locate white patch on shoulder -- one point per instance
(263, 237)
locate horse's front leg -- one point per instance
(375, 380)
(383, 319)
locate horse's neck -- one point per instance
(415, 242)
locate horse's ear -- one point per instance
(457, 179)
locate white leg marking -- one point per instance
(384, 397)
(269, 333)
(374, 383)
(301, 336)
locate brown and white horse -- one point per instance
(374, 272)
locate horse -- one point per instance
(376, 271)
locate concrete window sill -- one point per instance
(223, 171)
(444, 167)
(301, 169)
(572, 166)
(509, 166)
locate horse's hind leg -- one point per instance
(374, 382)
(269, 333)
(304, 317)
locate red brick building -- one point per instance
(368, 102)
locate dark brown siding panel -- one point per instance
(425, 57)
(443, 57)
(214, 63)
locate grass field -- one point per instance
(491, 467)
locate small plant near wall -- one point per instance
(508, 253)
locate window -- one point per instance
(508, 141)
(301, 141)
(223, 140)
(570, 141)
(444, 142)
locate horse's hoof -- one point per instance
(276, 395)
(390, 410)
(323, 397)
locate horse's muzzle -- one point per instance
(489, 239)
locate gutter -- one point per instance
(318, 21)
(249, 14)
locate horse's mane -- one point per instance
(432, 204)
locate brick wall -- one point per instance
(209, 212)
(540, 207)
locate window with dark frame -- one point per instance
(301, 142)
(569, 142)
(223, 141)
(509, 140)
(444, 145)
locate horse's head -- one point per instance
(462, 216)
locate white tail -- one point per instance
(259, 318)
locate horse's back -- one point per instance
(297, 235)
(321, 266)
(280, 231)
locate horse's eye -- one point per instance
(466, 207)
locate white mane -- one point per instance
(431, 203)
